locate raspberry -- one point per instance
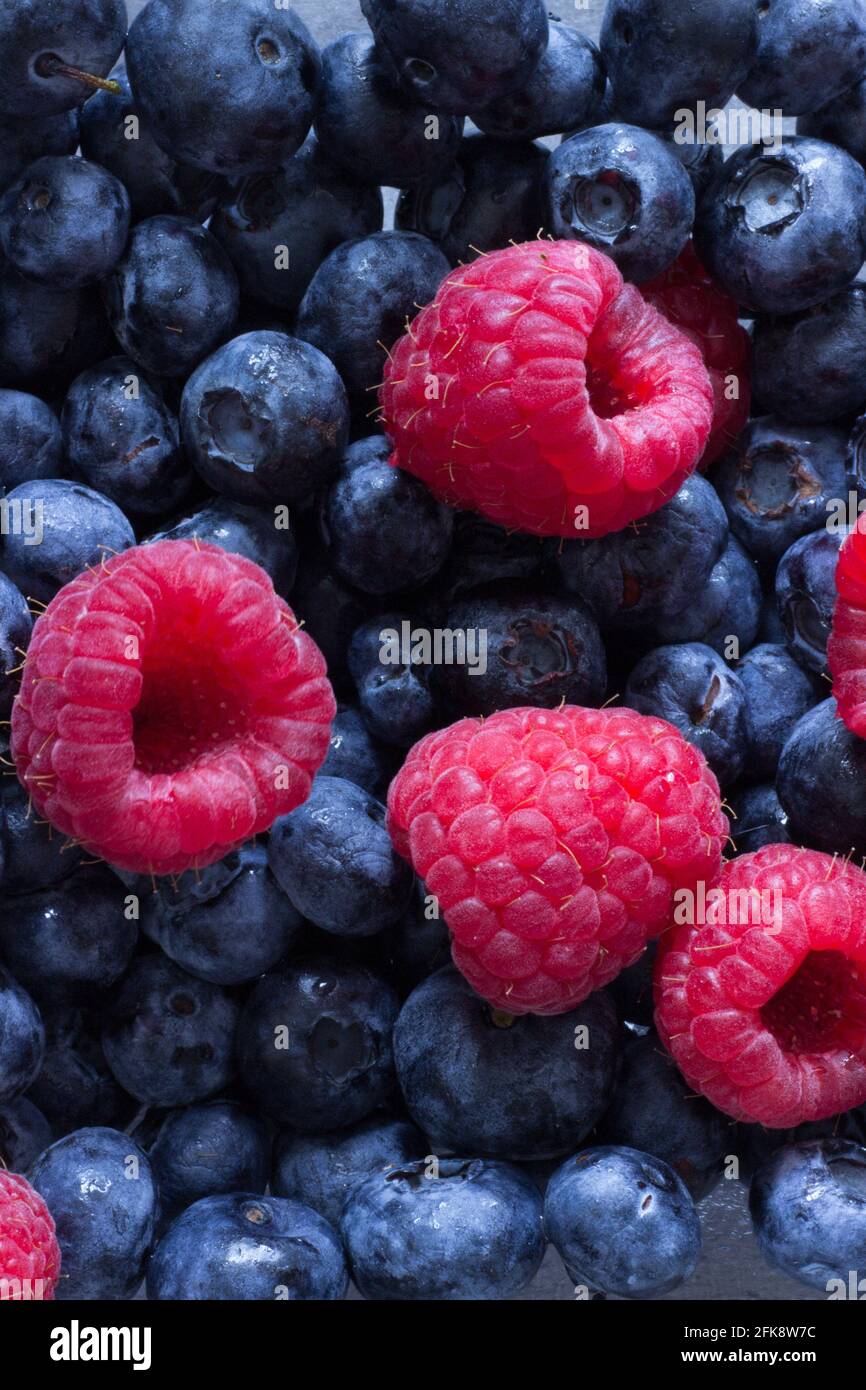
(29, 1253)
(169, 708)
(846, 649)
(766, 1014)
(537, 384)
(554, 840)
(693, 302)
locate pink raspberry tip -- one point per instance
(170, 708)
(846, 649)
(29, 1253)
(762, 1002)
(544, 393)
(554, 841)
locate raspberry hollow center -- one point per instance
(189, 705)
(822, 1006)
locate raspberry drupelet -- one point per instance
(29, 1252)
(544, 393)
(846, 649)
(170, 708)
(554, 840)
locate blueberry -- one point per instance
(623, 1222)
(75, 1087)
(314, 1044)
(563, 92)
(15, 627)
(244, 530)
(23, 141)
(821, 782)
(121, 439)
(855, 463)
(31, 444)
(489, 198)
(462, 1095)
(690, 686)
(806, 595)
(173, 297)
(701, 162)
(808, 1208)
(24, 1133)
(64, 222)
(770, 629)
(359, 299)
(831, 337)
(622, 190)
(47, 335)
(484, 553)
(757, 818)
(99, 1188)
(460, 1229)
(47, 51)
(331, 612)
(232, 93)
(246, 1247)
(22, 1038)
(778, 482)
(65, 527)
(217, 1147)
(354, 755)
(203, 938)
(371, 127)
(322, 1170)
(392, 679)
(807, 52)
(462, 56)
(783, 229)
(778, 693)
(417, 945)
(841, 122)
(34, 853)
(632, 990)
(334, 859)
(726, 613)
(264, 418)
(168, 1037)
(662, 57)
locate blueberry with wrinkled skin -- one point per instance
(16, 625)
(75, 1087)
(623, 191)
(22, 1038)
(563, 92)
(264, 419)
(64, 222)
(396, 700)
(778, 693)
(243, 1246)
(484, 553)
(831, 337)
(216, 1147)
(462, 1092)
(76, 527)
(23, 141)
(31, 444)
(466, 1230)
(806, 595)
(322, 1170)
(243, 529)
(841, 122)
(757, 818)
(726, 610)
(821, 782)
(808, 1211)
(34, 855)
(47, 336)
(24, 1133)
(83, 34)
(808, 52)
(353, 754)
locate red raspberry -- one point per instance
(766, 1016)
(170, 708)
(29, 1253)
(554, 840)
(537, 383)
(691, 300)
(846, 649)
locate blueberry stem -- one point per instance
(49, 65)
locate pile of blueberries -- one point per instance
(270, 1073)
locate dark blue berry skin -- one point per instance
(654, 569)
(661, 57)
(484, 553)
(623, 1222)
(757, 818)
(22, 1038)
(173, 297)
(622, 190)
(806, 595)
(71, 943)
(383, 529)
(808, 1210)
(330, 1062)
(807, 52)
(233, 93)
(321, 1170)
(701, 162)
(75, 1087)
(31, 444)
(655, 1111)
(334, 859)
(244, 530)
(541, 650)
(23, 141)
(632, 990)
(361, 296)
(154, 180)
(563, 92)
(463, 1095)
(728, 607)
(777, 483)
(15, 628)
(417, 945)
(395, 698)
(371, 127)
(206, 940)
(459, 57)
(265, 418)
(778, 693)
(783, 229)
(464, 1230)
(250, 1248)
(831, 337)
(218, 1147)
(121, 439)
(84, 34)
(100, 1189)
(47, 336)
(24, 1133)
(490, 197)
(64, 222)
(770, 629)
(691, 687)
(841, 122)
(354, 755)
(821, 782)
(79, 527)
(168, 1037)
(331, 612)
(33, 856)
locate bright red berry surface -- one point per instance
(554, 840)
(170, 708)
(846, 649)
(764, 1011)
(29, 1253)
(537, 383)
